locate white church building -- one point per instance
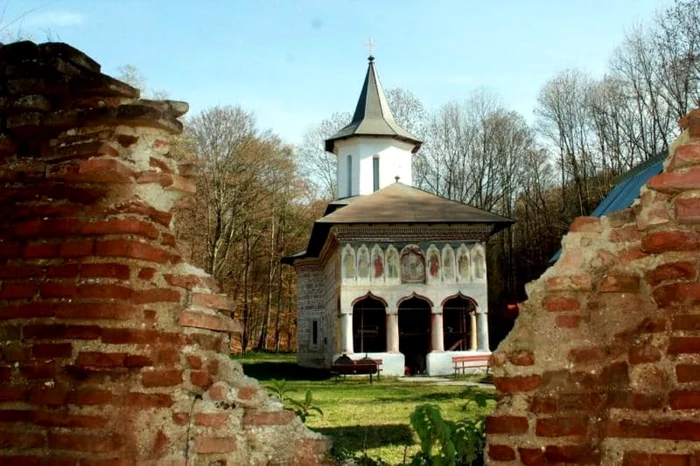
(391, 271)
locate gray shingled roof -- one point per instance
(373, 116)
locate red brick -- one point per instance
(90, 396)
(616, 283)
(104, 291)
(149, 400)
(654, 429)
(17, 290)
(61, 419)
(121, 227)
(631, 254)
(63, 271)
(81, 248)
(50, 396)
(62, 289)
(684, 345)
(40, 250)
(219, 391)
(107, 270)
(195, 362)
(256, 418)
(121, 336)
(183, 281)
(672, 271)
(677, 294)
(97, 359)
(84, 443)
(570, 454)
(5, 374)
(16, 415)
(501, 453)
(140, 208)
(161, 378)
(13, 393)
(562, 426)
(9, 250)
(655, 459)
(506, 425)
(674, 182)
(48, 228)
(59, 331)
(644, 354)
(52, 350)
(586, 356)
(21, 271)
(131, 249)
(686, 155)
(15, 353)
(247, 393)
(161, 164)
(639, 401)
(137, 360)
(560, 304)
(210, 419)
(532, 456)
(214, 444)
(625, 234)
(11, 439)
(168, 240)
(213, 367)
(209, 321)
(104, 170)
(147, 273)
(688, 210)
(684, 399)
(38, 370)
(580, 282)
(156, 295)
(525, 383)
(568, 321)
(688, 373)
(522, 358)
(662, 241)
(686, 322)
(212, 301)
(115, 311)
(181, 418)
(586, 225)
(201, 378)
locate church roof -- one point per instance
(373, 116)
(398, 204)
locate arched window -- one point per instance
(459, 322)
(369, 325)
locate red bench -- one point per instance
(462, 363)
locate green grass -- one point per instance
(359, 417)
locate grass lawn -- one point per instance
(360, 417)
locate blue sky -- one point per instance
(294, 62)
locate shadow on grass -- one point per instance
(437, 397)
(282, 370)
(356, 439)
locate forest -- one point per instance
(258, 195)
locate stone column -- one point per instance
(472, 331)
(346, 337)
(482, 331)
(437, 340)
(392, 331)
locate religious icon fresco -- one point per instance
(434, 262)
(377, 262)
(412, 265)
(463, 262)
(363, 262)
(392, 262)
(448, 263)
(479, 262)
(348, 262)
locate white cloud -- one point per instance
(46, 19)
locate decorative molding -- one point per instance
(417, 233)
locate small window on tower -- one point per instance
(314, 332)
(375, 172)
(349, 175)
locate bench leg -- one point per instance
(370, 378)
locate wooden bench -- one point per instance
(358, 368)
(462, 363)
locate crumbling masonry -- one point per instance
(113, 351)
(603, 366)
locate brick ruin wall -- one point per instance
(603, 365)
(113, 351)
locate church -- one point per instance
(390, 271)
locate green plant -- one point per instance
(306, 408)
(449, 443)
(279, 389)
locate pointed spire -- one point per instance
(373, 116)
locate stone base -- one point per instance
(440, 363)
(392, 363)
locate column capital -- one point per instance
(437, 309)
(392, 310)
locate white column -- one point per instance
(472, 331)
(483, 331)
(392, 331)
(346, 333)
(437, 339)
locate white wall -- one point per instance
(395, 159)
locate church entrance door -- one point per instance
(414, 333)
(369, 326)
(459, 324)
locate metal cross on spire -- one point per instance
(370, 45)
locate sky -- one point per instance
(295, 62)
